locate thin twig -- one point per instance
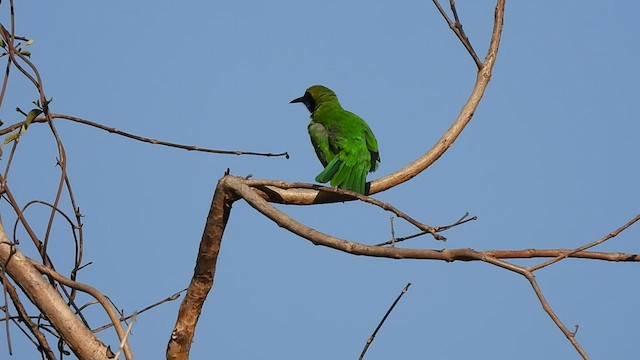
(394, 240)
(141, 138)
(457, 29)
(5, 284)
(393, 232)
(384, 318)
(123, 342)
(167, 299)
(543, 301)
(545, 305)
(587, 246)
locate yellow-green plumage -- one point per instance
(343, 142)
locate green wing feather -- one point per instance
(330, 171)
(320, 140)
(372, 145)
(347, 170)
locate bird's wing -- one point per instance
(320, 140)
(372, 145)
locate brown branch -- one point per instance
(42, 343)
(384, 318)
(36, 79)
(456, 27)
(38, 244)
(230, 188)
(393, 232)
(164, 143)
(394, 240)
(554, 253)
(611, 235)
(203, 274)
(102, 299)
(112, 130)
(258, 194)
(10, 160)
(79, 338)
(147, 308)
(349, 195)
(20, 216)
(7, 69)
(547, 308)
(466, 113)
(123, 342)
(543, 301)
(240, 187)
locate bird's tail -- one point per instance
(344, 174)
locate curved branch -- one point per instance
(466, 113)
(307, 197)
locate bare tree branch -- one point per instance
(43, 344)
(103, 300)
(609, 236)
(79, 338)
(394, 240)
(456, 27)
(543, 301)
(123, 343)
(349, 195)
(384, 318)
(203, 275)
(318, 238)
(112, 130)
(145, 309)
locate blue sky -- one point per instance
(548, 161)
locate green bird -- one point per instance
(344, 143)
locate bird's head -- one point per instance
(316, 95)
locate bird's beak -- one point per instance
(300, 99)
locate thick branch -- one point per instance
(203, 274)
(79, 338)
(100, 297)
